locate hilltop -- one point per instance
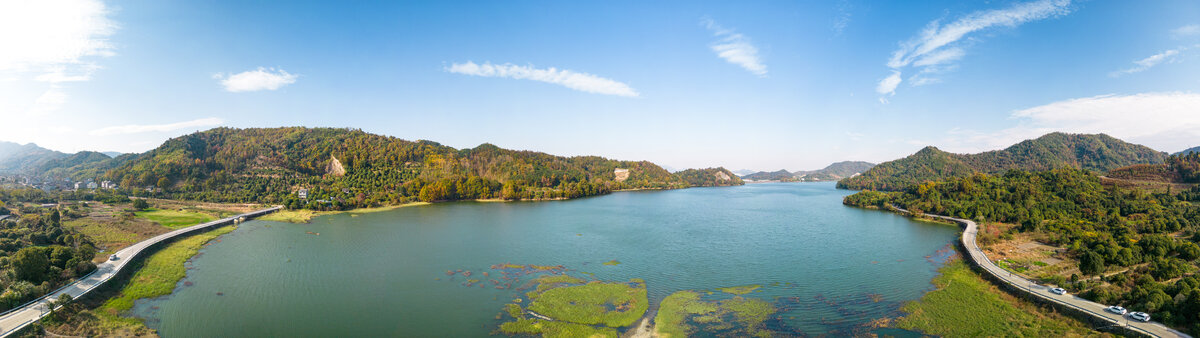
(1095, 152)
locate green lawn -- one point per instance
(966, 305)
(174, 218)
(159, 273)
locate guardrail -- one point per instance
(116, 269)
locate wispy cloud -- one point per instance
(842, 19)
(1186, 31)
(735, 48)
(1150, 61)
(1165, 121)
(146, 128)
(937, 46)
(583, 82)
(256, 80)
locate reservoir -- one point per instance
(830, 269)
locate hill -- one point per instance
(1096, 152)
(1187, 151)
(781, 175)
(341, 168)
(18, 158)
(835, 171)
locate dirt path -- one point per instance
(643, 330)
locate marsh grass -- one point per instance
(678, 312)
(966, 305)
(610, 304)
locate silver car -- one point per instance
(1140, 316)
(1116, 309)
(113, 258)
(1058, 291)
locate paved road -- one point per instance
(1041, 291)
(3, 217)
(17, 318)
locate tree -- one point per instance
(140, 204)
(1091, 263)
(163, 183)
(31, 264)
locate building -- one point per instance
(303, 194)
(92, 185)
(108, 185)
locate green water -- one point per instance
(832, 268)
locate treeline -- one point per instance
(1179, 168)
(1152, 236)
(347, 168)
(1097, 152)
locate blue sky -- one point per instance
(761, 85)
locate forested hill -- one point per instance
(1097, 152)
(342, 168)
(832, 172)
(781, 175)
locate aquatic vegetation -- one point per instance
(673, 312)
(612, 262)
(740, 290)
(555, 329)
(751, 313)
(559, 279)
(679, 313)
(611, 304)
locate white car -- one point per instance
(1116, 309)
(113, 258)
(1140, 316)
(1058, 291)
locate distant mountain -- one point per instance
(19, 159)
(112, 154)
(1097, 152)
(781, 175)
(832, 172)
(1188, 151)
(835, 171)
(744, 172)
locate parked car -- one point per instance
(1058, 291)
(1140, 316)
(1116, 309)
(113, 257)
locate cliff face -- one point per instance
(335, 167)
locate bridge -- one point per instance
(14, 320)
(1042, 292)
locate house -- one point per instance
(108, 185)
(303, 194)
(92, 185)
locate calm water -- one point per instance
(832, 267)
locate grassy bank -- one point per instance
(174, 219)
(305, 216)
(966, 305)
(156, 276)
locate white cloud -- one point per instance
(1185, 31)
(50, 33)
(842, 19)
(888, 84)
(936, 47)
(146, 128)
(736, 48)
(256, 80)
(50, 42)
(1148, 62)
(583, 82)
(1164, 121)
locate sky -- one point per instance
(761, 85)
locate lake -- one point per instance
(831, 268)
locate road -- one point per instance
(977, 255)
(15, 319)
